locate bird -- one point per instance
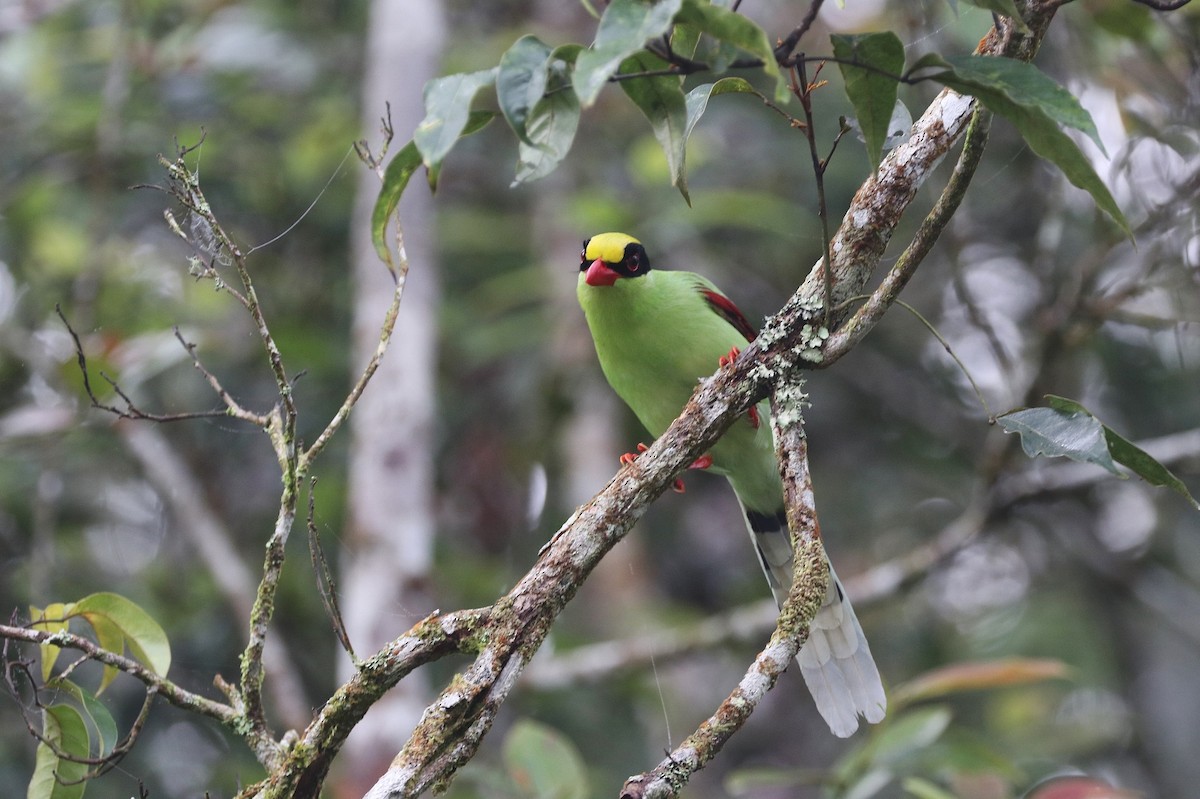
(656, 333)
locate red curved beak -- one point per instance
(599, 274)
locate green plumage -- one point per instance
(656, 334)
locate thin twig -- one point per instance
(784, 51)
(803, 91)
(868, 315)
(167, 689)
(324, 576)
(131, 410)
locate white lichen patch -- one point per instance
(954, 107)
(789, 403)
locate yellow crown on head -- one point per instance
(608, 247)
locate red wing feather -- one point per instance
(729, 312)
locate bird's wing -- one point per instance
(725, 308)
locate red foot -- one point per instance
(726, 360)
(703, 462)
(630, 457)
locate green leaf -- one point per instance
(1028, 98)
(53, 619)
(684, 39)
(697, 99)
(62, 726)
(1056, 433)
(870, 89)
(395, 179)
(661, 99)
(447, 111)
(94, 710)
(924, 789)
(551, 127)
(1067, 428)
(733, 30)
(624, 30)
(1027, 85)
(869, 784)
(729, 26)
(1005, 8)
(872, 766)
(543, 763)
(142, 634)
(1128, 454)
(521, 81)
(908, 733)
(109, 636)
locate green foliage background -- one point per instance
(1105, 578)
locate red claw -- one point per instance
(703, 462)
(726, 360)
(630, 457)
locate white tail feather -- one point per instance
(835, 661)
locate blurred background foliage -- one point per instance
(1033, 290)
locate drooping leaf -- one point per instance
(145, 638)
(395, 179)
(551, 130)
(94, 711)
(1028, 86)
(869, 85)
(521, 81)
(961, 677)
(873, 765)
(624, 29)
(53, 619)
(1055, 433)
(733, 33)
(731, 27)
(543, 763)
(909, 732)
(1036, 105)
(109, 636)
(1068, 429)
(697, 99)
(660, 98)
(1128, 454)
(684, 38)
(447, 111)
(1005, 8)
(64, 728)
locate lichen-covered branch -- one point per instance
(810, 580)
(791, 339)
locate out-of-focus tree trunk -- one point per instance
(390, 526)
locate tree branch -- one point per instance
(451, 728)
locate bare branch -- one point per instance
(130, 411)
(810, 579)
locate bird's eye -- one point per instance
(635, 263)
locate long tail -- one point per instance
(836, 661)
